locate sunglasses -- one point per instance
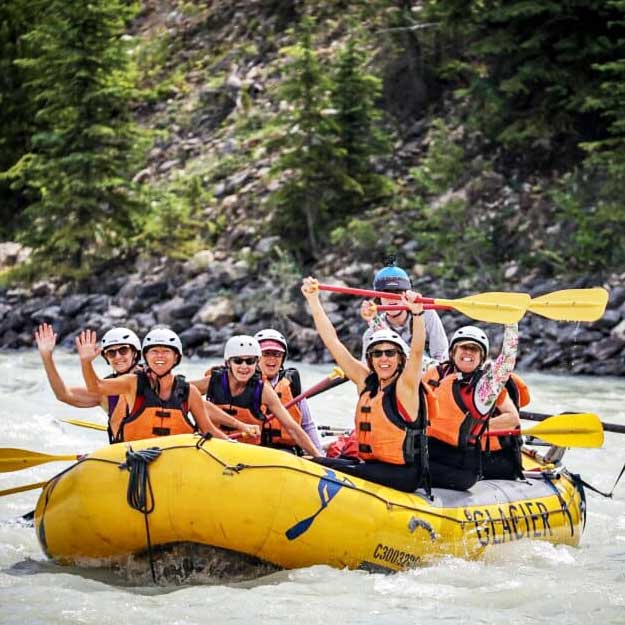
(111, 352)
(240, 361)
(273, 354)
(378, 353)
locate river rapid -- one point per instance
(526, 582)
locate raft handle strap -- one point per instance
(140, 495)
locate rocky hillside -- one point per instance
(209, 77)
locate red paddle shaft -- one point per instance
(387, 307)
(368, 293)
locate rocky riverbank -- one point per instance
(211, 297)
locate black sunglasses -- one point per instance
(111, 352)
(248, 361)
(378, 353)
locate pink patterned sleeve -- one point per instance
(492, 382)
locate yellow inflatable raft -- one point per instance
(285, 510)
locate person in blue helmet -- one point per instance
(395, 280)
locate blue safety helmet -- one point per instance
(391, 278)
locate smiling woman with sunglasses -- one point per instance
(159, 403)
(121, 349)
(239, 390)
(392, 411)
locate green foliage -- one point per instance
(443, 165)
(453, 242)
(173, 226)
(358, 237)
(330, 134)
(530, 67)
(83, 148)
(590, 235)
(609, 153)
(360, 135)
(308, 152)
(16, 110)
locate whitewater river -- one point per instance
(527, 582)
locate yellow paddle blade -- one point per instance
(17, 459)
(85, 424)
(20, 489)
(494, 307)
(571, 304)
(569, 430)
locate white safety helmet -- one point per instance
(387, 336)
(471, 334)
(272, 336)
(162, 337)
(121, 336)
(241, 345)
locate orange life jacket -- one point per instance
(245, 407)
(515, 387)
(458, 422)
(384, 434)
(287, 387)
(152, 416)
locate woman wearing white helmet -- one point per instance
(393, 408)
(472, 399)
(238, 388)
(158, 403)
(121, 349)
(286, 383)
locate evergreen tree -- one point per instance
(609, 153)
(529, 68)
(308, 152)
(16, 112)
(360, 135)
(81, 153)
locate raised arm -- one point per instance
(354, 369)
(494, 379)
(77, 396)
(88, 351)
(272, 401)
(410, 378)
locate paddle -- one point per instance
(335, 378)
(537, 416)
(17, 459)
(85, 424)
(566, 305)
(564, 430)
(20, 489)
(571, 304)
(328, 487)
(495, 307)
